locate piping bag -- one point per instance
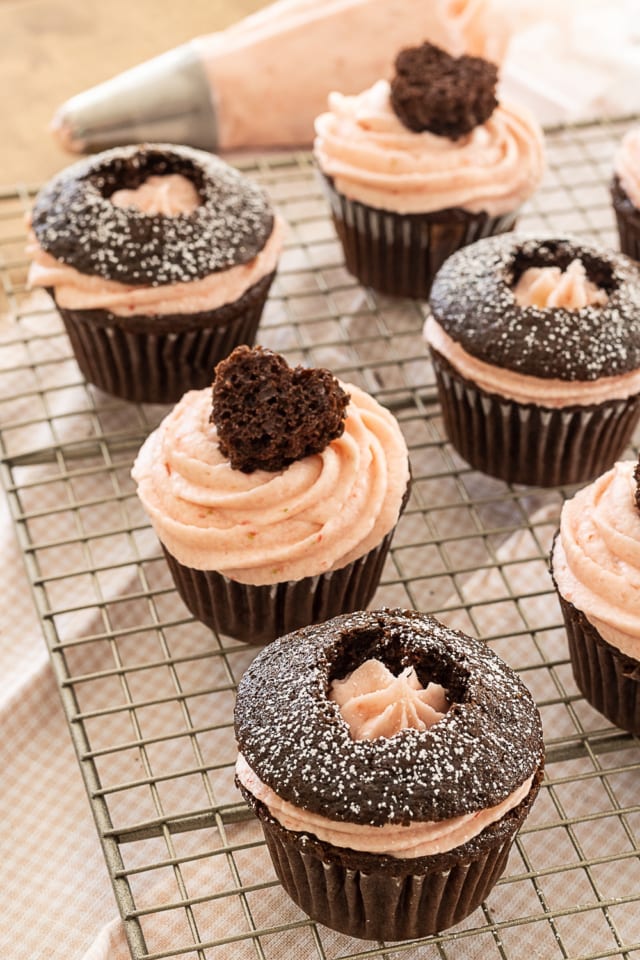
(261, 82)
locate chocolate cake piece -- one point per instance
(446, 95)
(268, 415)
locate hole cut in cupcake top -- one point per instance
(548, 287)
(376, 703)
(167, 195)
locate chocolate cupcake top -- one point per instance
(293, 736)
(76, 222)
(473, 300)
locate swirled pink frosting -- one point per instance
(419, 839)
(375, 703)
(169, 195)
(317, 515)
(626, 165)
(523, 388)
(80, 291)
(375, 159)
(547, 287)
(596, 560)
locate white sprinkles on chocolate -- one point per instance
(296, 741)
(472, 299)
(75, 221)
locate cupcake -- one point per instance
(159, 259)
(595, 565)
(276, 506)
(625, 193)
(391, 761)
(419, 167)
(536, 349)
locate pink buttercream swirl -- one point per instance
(375, 159)
(547, 287)
(523, 388)
(626, 165)
(375, 703)
(80, 291)
(318, 514)
(596, 560)
(169, 195)
(419, 839)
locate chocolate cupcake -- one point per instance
(625, 193)
(277, 508)
(415, 169)
(536, 349)
(159, 259)
(595, 565)
(391, 761)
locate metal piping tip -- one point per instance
(164, 100)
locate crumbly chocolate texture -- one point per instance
(294, 738)
(472, 298)
(75, 221)
(446, 95)
(268, 415)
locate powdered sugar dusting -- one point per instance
(75, 221)
(472, 298)
(294, 738)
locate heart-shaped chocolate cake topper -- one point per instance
(268, 414)
(446, 95)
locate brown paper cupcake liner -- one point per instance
(524, 443)
(605, 676)
(628, 220)
(259, 614)
(399, 254)
(384, 898)
(155, 359)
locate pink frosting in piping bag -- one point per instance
(596, 560)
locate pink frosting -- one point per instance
(80, 291)
(375, 159)
(168, 195)
(375, 703)
(546, 287)
(319, 514)
(596, 560)
(419, 839)
(626, 165)
(546, 392)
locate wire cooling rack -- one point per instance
(148, 693)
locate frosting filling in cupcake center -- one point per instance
(168, 195)
(375, 703)
(547, 287)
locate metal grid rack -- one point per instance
(148, 693)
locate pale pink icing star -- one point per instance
(552, 287)
(375, 703)
(169, 195)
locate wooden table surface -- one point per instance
(52, 49)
